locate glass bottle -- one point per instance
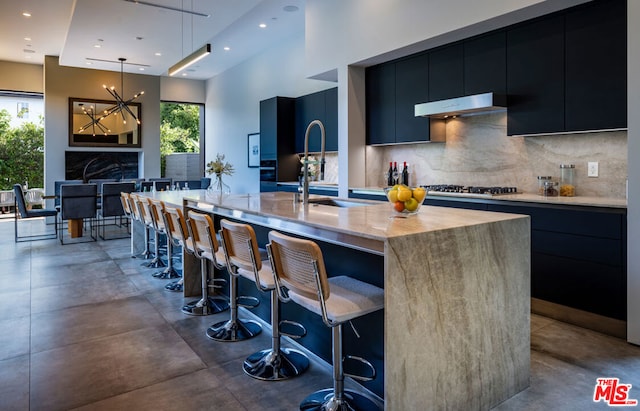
(567, 175)
(395, 172)
(390, 174)
(405, 174)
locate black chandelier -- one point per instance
(121, 105)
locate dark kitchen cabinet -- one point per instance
(578, 256)
(392, 91)
(446, 72)
(535, 76)
(485, 64)
(596, 70)
(277, 137)
(380, 83)
(331, 118)
(412, 87)
(322, 106)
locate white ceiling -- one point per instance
(70, 29)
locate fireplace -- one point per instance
(87, 165)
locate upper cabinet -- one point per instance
(485, 64)
(411, 88)
(322, 106)
(392, 91)
(563, 72)
(568, 71)
(446, 72)
(380, 97)
(595, 64)
(535, 77)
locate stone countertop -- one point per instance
(522, 197)
(374, 220)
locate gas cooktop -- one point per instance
(468, 191)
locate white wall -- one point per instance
(182, 90)
(233, 105)
(633, 208)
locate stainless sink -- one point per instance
(336, 202)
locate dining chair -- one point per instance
(78, 202)
(112, 208)
(22, 212)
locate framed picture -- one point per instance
(253, 150)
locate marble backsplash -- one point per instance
(479, 152)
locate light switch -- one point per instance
(592, 169)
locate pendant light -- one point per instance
(121, 105)
(195, 56)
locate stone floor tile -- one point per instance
(90, 371)
(200, 390)
(14, 384)
(14, 336)
(53, 329)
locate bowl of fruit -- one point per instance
(404, 199)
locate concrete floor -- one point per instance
(84, 326)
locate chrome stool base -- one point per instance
(212, 305)
(230, 331)
(324, 400)
(168, 273)
(266, 365)
(175, 286)
(145, 255)
(155, 263)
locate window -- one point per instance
(22, 110)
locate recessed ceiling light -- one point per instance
(97, 46)
(88, 63)
(262, 25)
(226, 48)
(26, 14)
(290, 8)
(27, 38)
(184, 74)
(141, 68)
(158, 54)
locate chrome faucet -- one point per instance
(306, 162)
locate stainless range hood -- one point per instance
(462, 106)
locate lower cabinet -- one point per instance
(578, 256)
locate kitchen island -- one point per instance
(457, 290)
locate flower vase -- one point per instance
(219, 187)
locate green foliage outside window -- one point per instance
(21, 153)
(179, 131)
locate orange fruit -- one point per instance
(399, 206)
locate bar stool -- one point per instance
(202, 243)
(177, 233)
(275, 363)
(136, 213)
(157, 211)
(299, 266)
(235, 252)
(125, 198)
(150, 223)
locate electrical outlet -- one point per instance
(592, 169)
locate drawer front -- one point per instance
(588, 286)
